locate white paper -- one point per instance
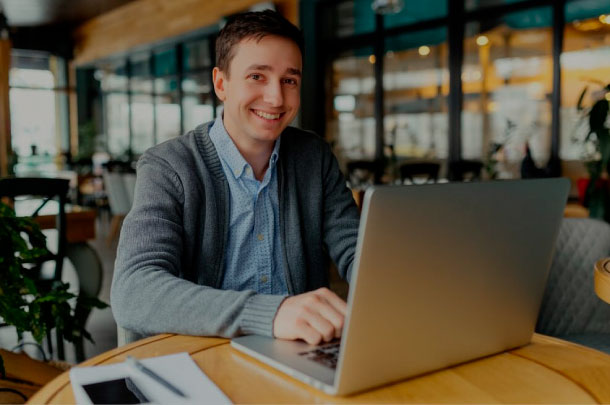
(179, 369)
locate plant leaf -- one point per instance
(26, 302)
(598, 114)
(579, 106)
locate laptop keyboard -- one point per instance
(326, 355)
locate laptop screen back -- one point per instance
(446, 273)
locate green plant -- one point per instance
(27, 302)
(597, 197)
(87, 134)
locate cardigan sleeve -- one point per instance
(341, 216)
(148, 296)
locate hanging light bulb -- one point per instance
(424, 50)
(387, 6)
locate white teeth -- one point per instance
(266, 115)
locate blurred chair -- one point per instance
(465, 170)
(119, 166)
(119, 200)
(570, 308)
(426, 171)
(361, 172)
(89, 269)
(41, 191)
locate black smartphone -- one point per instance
(120, 391)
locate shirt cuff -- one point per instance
(259, 313)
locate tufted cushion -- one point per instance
(570, 309)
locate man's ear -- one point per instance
(218, 77)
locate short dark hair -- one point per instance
(256, 25)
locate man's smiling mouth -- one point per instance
(267, 116)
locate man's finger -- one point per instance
(308, 333)
(334, 300)
(330, 313)
(323, 326)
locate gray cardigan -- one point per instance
(170, 258)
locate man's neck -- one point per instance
(256, 153)
(257, 157)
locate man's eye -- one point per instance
(290, 81)
(255, 76)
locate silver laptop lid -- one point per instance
(444, 274)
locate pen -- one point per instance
(133, 362)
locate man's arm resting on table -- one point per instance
(148, 296)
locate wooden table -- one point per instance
(601, 278)
(574, 210)
(548, 371)
(80, 221)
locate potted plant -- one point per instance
(27, 302)
(597, 154)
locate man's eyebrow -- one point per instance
(258, 67)
(292, 71)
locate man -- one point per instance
(232, 222)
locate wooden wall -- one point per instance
(148, 21)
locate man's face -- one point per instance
(261, 94)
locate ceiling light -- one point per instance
(604, 19)
(424, 50)
(482, 40)
(372, 59)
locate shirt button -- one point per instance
(264, 279)
(260, 236)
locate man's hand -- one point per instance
(315, 316)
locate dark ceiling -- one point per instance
(31, 13)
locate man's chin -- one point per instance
(269, 134)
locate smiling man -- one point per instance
(232, 222)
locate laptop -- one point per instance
(443, 274)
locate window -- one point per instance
(507, 84)
(416, 11)
(142, 115)
(39, 109)
(199, 100)
(114, 85)
(416, 85)
(348, 18)
(585, 63)
(476, 4)
(352, 126)
(154, 95)
(508, 64)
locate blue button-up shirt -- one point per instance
(253, 259)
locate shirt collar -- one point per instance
(228, 152)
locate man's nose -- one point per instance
(273, 94)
